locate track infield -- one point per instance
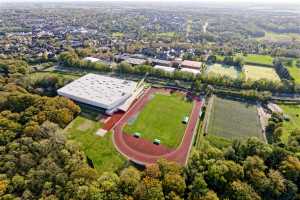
(145, 152)
(162, 118)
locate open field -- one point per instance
(38, 75)
(259, 59)
(295, 73)
(222, 70)
(189, 26)
(257, 73)
(281, 37)
(162, 119)
(118, 34)
(234, 120)
(293, 111)
(166, 34)
(99, 149)
(254, 59)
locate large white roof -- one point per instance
(97, 90)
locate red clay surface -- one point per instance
(113, 120)
(144, 152)
(145, 146)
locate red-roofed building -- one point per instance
(191, 64)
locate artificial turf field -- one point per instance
(161, 119)
(257, 73)
(234, 120)
(99, 149)
(223, 70)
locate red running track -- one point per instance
(113, 120)
(151, 153)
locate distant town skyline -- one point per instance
(209, 1)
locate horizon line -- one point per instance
(158, 1)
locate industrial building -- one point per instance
(110, 94)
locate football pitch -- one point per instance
(255, 73)
(161, 119)
(234, 119)
(223, 70)
(259, 59)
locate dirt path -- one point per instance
(263, 118)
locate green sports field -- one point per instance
(234, 120)
(99, 149)
(259, 59)
(295, 73)
(255, 73)
(253, 59)
(222, 70)
(162, 119)
(293, 112)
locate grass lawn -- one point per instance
(253, 59)
(295, 73)
(118, 34)
(256, 73)
(162, 119)
(217, 141)
(233, 120)
(222, 70)
(259, 59)
(100, 149)
(39, 75)
(292, 111)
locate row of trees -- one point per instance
(237, 61)
(274, 129)
(71, 59)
